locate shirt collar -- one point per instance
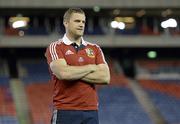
(67, 41)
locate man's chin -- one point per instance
(80, 35)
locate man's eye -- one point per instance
(77, 20)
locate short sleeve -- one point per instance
(100, 56)
(53, 52)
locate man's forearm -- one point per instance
(97, 77)
(75, 72)
(66, 72)
(90, 73)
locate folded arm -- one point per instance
(100, 76)
(63, 71)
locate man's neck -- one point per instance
(77, 40)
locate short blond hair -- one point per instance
(70, 11)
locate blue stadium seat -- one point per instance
(118, 105)
(36, 72)
(168, 105)
(4, 81)
(8, 120)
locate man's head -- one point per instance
(74, 21)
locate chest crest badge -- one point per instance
(90, 52)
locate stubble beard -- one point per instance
(78, 34)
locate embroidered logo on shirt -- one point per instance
(69, 52)
(80, 59)
(90, 52)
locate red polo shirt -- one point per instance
(76, 94)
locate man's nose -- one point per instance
(81, 24)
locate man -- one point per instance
(76, 66)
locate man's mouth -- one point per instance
(79, 29)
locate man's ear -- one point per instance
(65, 23)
